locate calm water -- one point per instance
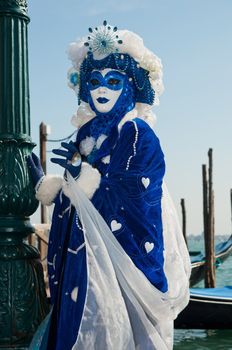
(193, 339)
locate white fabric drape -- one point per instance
(123, 310)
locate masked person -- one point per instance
(118, 272)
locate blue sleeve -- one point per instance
(129, 198)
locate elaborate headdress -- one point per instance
(107, 47)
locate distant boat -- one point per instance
(209, 308)
(222, 252)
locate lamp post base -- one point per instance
(23, 302)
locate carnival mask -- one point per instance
(105, 88)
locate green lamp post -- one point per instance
(22, 294)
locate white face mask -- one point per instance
(104, 98)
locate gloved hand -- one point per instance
(72, 161)
(35, 168)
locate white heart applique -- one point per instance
(115, 226)
(149, 246)
(145, 181)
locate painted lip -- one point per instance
(102, 100)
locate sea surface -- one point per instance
(202, 339)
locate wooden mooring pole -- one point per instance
(208, 214)
(43, 133)
(182, 203)
(205, 202)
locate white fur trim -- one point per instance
(37, 186)
(128, 117)
(89, 181)
(49, 188)
(142, 111)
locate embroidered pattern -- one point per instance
(53, 263)
(65, 211)
(76, 250)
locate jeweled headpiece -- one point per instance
(107, 47)
(103, 40)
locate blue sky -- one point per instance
(193, 39)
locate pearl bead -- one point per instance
(134, 145)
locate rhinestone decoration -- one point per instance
(103, 39)
(74, 78)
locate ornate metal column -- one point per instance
(22, 294)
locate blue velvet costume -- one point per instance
(130, 196)
(127, 196)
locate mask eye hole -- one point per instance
(113, 81)
(94, 82)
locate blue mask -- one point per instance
(113, 80)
